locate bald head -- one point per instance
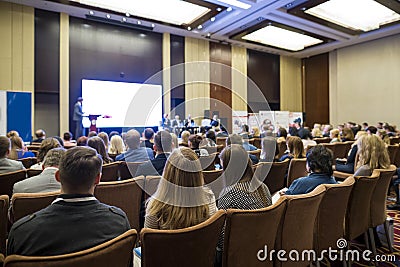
(133, 139)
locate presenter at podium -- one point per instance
(77, 118)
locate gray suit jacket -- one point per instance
(9, 165)
(44, 182)
(77, 112)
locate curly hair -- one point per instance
(47, 144)
(320, 159)
(372, 152)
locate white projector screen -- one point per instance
(122, 104)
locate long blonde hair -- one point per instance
(116, 145)
(180, 200)
(16, 145)
(372, 152)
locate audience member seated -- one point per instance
(40, 136)
(148, 136)
(92, 133)
(60, 140)
(326, 130)
(181, 199)
(116, 145)
(104, 137)
(68, 139)
(219, 132)
(112, 133)
(255, 132)
(210, 140)
(12, 133)
(242, 191)
(47, 144)
(163, 147)
(238, 140)
(305, 136)
(8, 165)
(135, 152)
(281, 134)
(316, 131)
(82, 141)
(184, 138)
(372, 154)
(174, 141)
(371, 130)
(364, 126)
(269, 149)
(347, 135)
(384, 136)
(98, 144)
(18, 150)
(319, 164)
(245, 133)
(76, 220)
(46, 181)
(194, 144)
(295, 149)
(335, 136)
(390, 130)
(347, 166)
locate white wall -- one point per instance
(365, 82)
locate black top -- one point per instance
(153, 167)
(66, 227)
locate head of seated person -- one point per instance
(40, 135)
(47, 144)
(320, 160)
(295, 146)
(185, 137)
(97, 143)
(132, 139)
(17, 147)
(67, 136)
(163, 142)
(180, 200)
(236, 164)
(234, 139)
(53, 157)
(148, 134)
(372, 154)
(12, 133)
(116, 145)
(5, 146)
(194, 141)
(269, 149)
(82, 141)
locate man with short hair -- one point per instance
(8, 165)
(163, 147)
(46, 181)
(76, 220)
(40, 136)
(135, 153)
(148, 135)
(238, 140)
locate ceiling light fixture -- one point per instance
(236, 3)
(278, 37)
(139, 22)
(123, 19)
(108, 16)
(91, 12)
(170, 11)
(365, 15)
(212, 19)
(229, 9)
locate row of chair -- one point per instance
(314, 221)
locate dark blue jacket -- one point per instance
(307, 184)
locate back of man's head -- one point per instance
(53, 157)
(234, 139)
(163, 141)
(78, 169)
(4, 146)
(67, 136)
(148, 133)
(132, 139)
(40, 133)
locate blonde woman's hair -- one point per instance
(256, 131)
(372, 152)
(185, 136)
(316, 132)
(16, 145)
(180, 200)
(296, 147)
(336, 134)
(174, 140)
(116, 145)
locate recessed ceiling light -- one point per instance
(208, 34)
(212, 19)
(229, 9)
(278, 37)
(189, 28)
(236, 3)
(152, 25)
(91, 12)
(219, 9)
(108, 16)
(123, 19)
(139, 22)
(127, 14)
(365, 15)
(175, 12)
(200, 27)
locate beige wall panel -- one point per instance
(239, 78)
(166, 61)
(5, 46)
(367, 82)
(64, 73)
(290, 80)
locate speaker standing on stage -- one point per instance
(77, 118)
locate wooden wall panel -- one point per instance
(316, 89)
(291, 89)
(177, 47)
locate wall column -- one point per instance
(290, 80)
(239, 78)
(64, 73)
(166, 63)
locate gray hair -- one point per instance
(53, 157)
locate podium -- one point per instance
(93, 121)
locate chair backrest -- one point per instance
(358, 209)
(115, 252)
(214, 180)
(24, 204)
(33, 172)
(393, 151)
(112, 156)
(220, 148)
(329, 226)
(221, 141)
(150, 185)
(193, 246)
(128, 169)
(247, 231)
(7, 181)
(126, 195)
(109, 172)
(394, 140)
(298, 224)
(4, 202)
(210, 149)
(28, 162)
(397, 159)
(378, 199)
(208, 162)
(257, 142)
(281, 149)
(339, 149)
(272, 174)
(256, 153)
(297, 169)
(322, 140)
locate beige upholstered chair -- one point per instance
(215, 180)
(297, 169)
(248, 231)
(28, 162)
(128, 169)
(33, 172)
(109, 172)
(393, 151)
(193, 246)
(24, 204)
(208, 162)
(256, 153)
(272, 174)
(297, 229)
(7, 181)
(221, 141)
(116, 252)
(126, 195)
(4, 202)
